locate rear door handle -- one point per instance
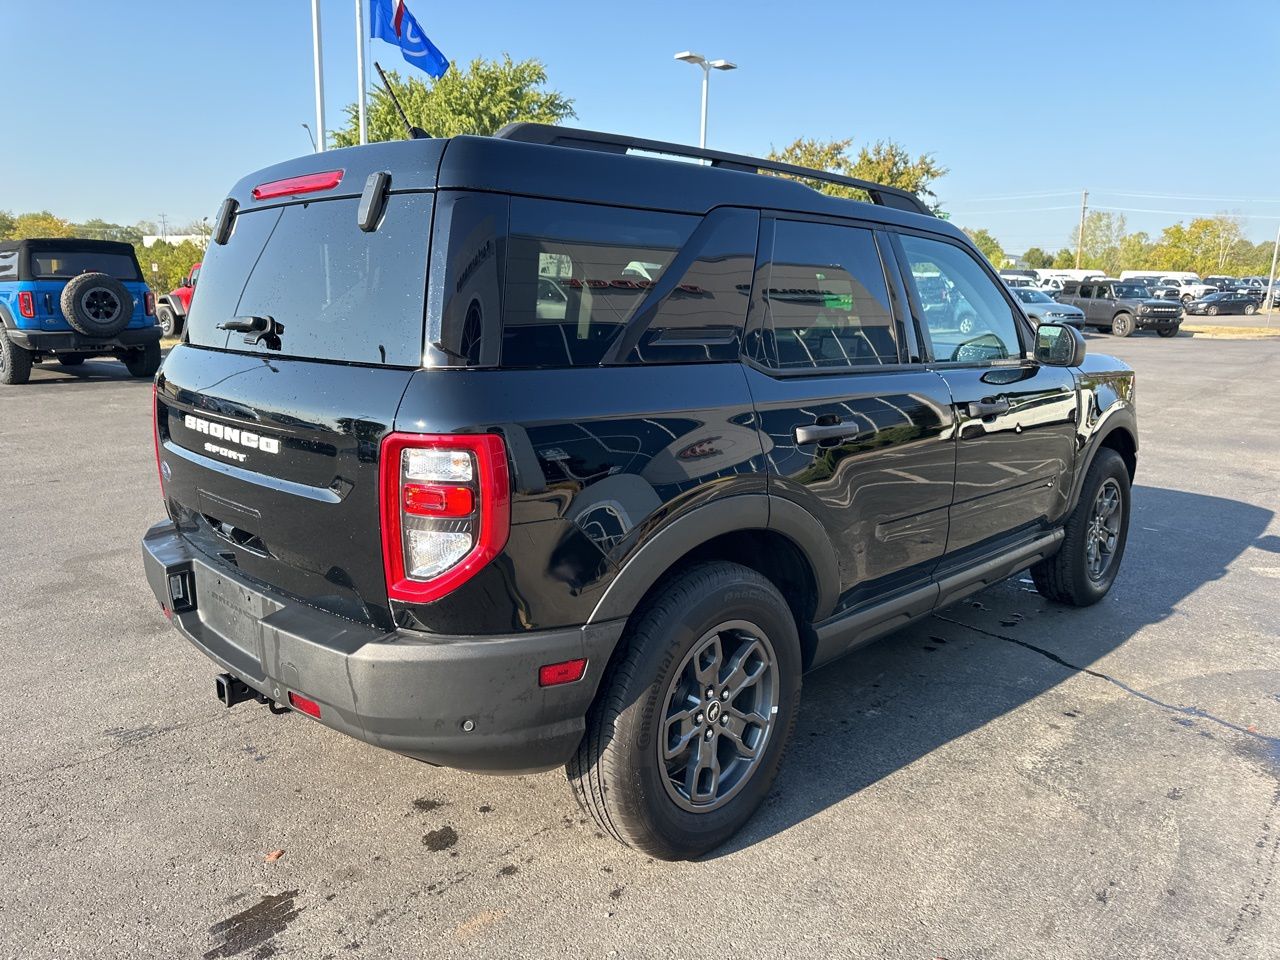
(981, 409)
(816, 433)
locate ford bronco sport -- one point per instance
(516, 452)
(69, 299)
(1122, 307)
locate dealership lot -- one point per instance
(1006, 779)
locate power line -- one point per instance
(1183, 213)
(1069, 206)
(1019, 196)
(1172, 196)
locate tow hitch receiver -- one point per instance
(232, 690)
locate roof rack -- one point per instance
(614, 143)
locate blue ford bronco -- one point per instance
(70, 299)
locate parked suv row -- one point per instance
(517, 452)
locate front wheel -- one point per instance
(1084, 568)
(689, 727)
(1121, 325)
(1167, 332)
(967, 323)
(170, 322)
(144, 362)
(1250, 309)
(1212, 311)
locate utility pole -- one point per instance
(1271, 278)
(164, 228)
(1084, 206)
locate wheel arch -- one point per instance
(1119, 434)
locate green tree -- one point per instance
(988, 244)
(97, 229)
(40, 224)
(1102, 235)
(883, 162)
(1135, 251)
(1037, 259)
(6, 224)
(164, 264)
(1206, 245)
(480, 99)
(1064, 259)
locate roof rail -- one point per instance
(614, 143)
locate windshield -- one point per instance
(64, 264)
(1132, 291)
(1033, 296)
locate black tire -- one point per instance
(1212, 310)
(70, 359)
(1122, 325)
(1167, 332)
(144, 362)
(618, 775)
(15, 361)
(1250, 309)
(96, 305)
(170, 323)
(1187, 298)
(1066, 577)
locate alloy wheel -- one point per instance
(100, 304)
(1103, 534)
(718, 715)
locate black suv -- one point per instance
(515, 452)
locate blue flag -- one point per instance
(390, 20)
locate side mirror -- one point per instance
(1058, 345)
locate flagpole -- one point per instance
(362, 77)
(318, 58)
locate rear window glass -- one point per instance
(340, 293)
(65, 264)
(576, 274)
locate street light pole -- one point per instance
(1271, 278)
(697, 59)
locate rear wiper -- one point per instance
(256, 330)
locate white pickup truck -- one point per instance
(1186, 289)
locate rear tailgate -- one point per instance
(269, 445)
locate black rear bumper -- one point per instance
(467, 702)
(69, 341)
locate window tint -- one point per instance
(826, 296)
(64, 264)
(1086, 291)
(9, 265)
(576, 275)
(340, 293)
(967, 317)
(464, 326)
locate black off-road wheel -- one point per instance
(1121, 325)
(70, 359)
(170, 322)
(144, 362)
(1167, 332)
(1084, 568)
(692, 718)
(96, 305)
(15, 361)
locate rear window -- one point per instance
(65, 264)
(340, 293)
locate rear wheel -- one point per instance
(1084, 568)
(15, 361)
(689, 727)
(144, 362)
(1122, 325)
(70, 359)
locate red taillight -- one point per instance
(304, 705)
(149, 303)
(27, 304)
(446, 510)
(554, 674)
(292, 186)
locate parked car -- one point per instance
(173, 307)
(406, 504)
(1213, 304)
(1122, 307)
(67, 299)
(1042, 308)
(1225, 284)
(1187, 290)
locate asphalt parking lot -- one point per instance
(1005, 780)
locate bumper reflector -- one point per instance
(304, 705)
(553, 674)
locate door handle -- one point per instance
(816, 433)
(981, 409)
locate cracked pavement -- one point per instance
(1006, 779)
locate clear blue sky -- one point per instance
(136, 108)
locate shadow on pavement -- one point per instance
(51, 374)
(889, 704)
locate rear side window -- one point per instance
(827, 299)
(65, 264)
(9, 265)
(340, 293)
(576, 275)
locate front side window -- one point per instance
(827, 299)
(967, 318)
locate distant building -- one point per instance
(198, 239)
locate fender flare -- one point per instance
(753, 511)
(1117, 417)
(172, 304)
(6, 320)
